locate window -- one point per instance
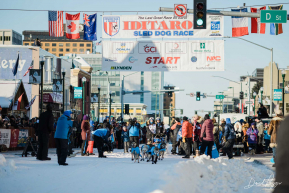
(88, 50)
(74, 50)
(117, 93)
(47, 44)
(53, 49)
(0, 38)
(67, 44)
(74, 45)
(81, 45)
(60, 55)
(6, 38)
(26, 44)
(60, 45)
(54, 54)
(88, 45)
(81, 50)
(60, 49)
(67, 50)
(53, 45)
(47, 49)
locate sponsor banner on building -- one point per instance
(34, 76)
(198, 55)
(78, 92)
(5, 136)
(159, 26)
(14, 137)
(57, 85)
(94, 98)
(23, 135)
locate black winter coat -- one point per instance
(46, 121)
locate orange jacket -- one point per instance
(175, 125)
(187, 129)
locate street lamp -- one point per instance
(283, 76)
(222, 102)
(41, 72)
(83, 95)
(63, 70)
(254, 95)
(261, 90)
(98, 103)
(109, 104)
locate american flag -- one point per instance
(55, 23)
(98, 43)
(31, 103)
(31, 66)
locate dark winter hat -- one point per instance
(253, 124)
(185, 118)
(85, 117)
(177, 119)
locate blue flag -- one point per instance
(89, 27)
(15, 68)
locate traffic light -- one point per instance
(182, 111)
(241, 95)
(126, 109)
(170, 94)
(245, 110)
(209, 114)
(196, 112)
(200, 14)
(198, 96)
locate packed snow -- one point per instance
(117, 173)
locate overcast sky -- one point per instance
(241, 57)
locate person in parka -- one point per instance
(151, 129)
(85, 134)
(197, 126)
(216, 134)
(208, 139)
(101, 136)
(125, 137)
(160, 130)
(134, 130)
(252, 133)
(229, 138)
(187, 134)
(64, 126)
(245, 127)
(238, 132)
(260, 127)
(175, 129)
(273, 130)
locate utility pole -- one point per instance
(41, 103)
(121, 98)
(249, 95)
(109, 105)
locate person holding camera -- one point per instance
(134, 128)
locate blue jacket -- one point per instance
(125, 136)
(229, 130)
(136, 150)
(103, 133)
(64, 124)
(134, 130)
(266, 135)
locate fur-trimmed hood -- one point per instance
(238, 129)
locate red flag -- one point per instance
(256, 25)
(19, 102)
(72, 26)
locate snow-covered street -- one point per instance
(118, 173)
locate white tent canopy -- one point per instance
(8, 88)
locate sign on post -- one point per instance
(273, 16)
(57, 85)
(192, 94)
(180, 10)
(34, 76)
(78, 92)
(277, 94)
(220, 96)
(94, 98)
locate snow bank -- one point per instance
(213, 175)
(6, 167)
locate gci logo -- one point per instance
(150, 49)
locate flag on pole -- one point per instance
(30, 103)
(55, 23)
(17, 104)
(31, 66)
(98, 43)
(239, 24)
(256, 25)
(15, 68)
(72, 26)
(89, 27)
(276, 28)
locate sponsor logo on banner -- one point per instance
(194, 59)
(111, 25)
(162, 60)
(121, 67)
(203, 47)
(176, 48)
(170, 67)
(123, 47)
(132, 59)
(149, 48)
(215, 25)
(112, 59)
(213, 58)
(155, 67)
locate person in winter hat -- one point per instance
(252, 133)
(260, 127)
(85, 134)
(175, 129)
(267, 138)
(187, 133)
(273, 130)
(64, 126)
(125, 137)
(101, 136)
(151, 129)
(207, 136)
(159, 126)
(239, 132)
(197, 126)
(229, 138)
(134, 129)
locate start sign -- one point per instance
(180, 10)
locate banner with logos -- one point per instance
(5, 136)
(34, 76)
(14, 137)
(198, 55)
(159, 26)
(23, 135)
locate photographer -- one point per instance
(134, 128)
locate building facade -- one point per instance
(59, 46)
(169, 101)
(10, 37)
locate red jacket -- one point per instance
(187, 129)
(196, 131)
(208, 127)
(85, 127)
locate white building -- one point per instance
(10, 37)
